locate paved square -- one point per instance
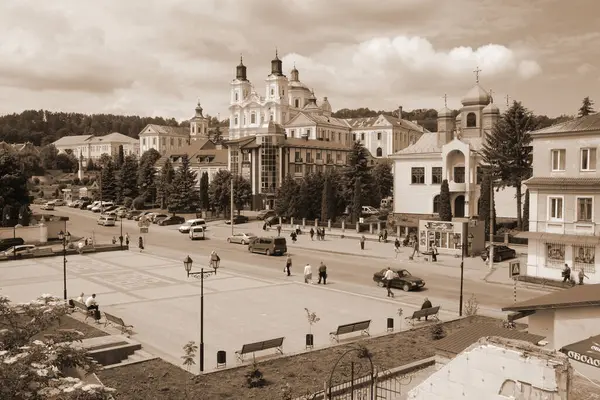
(153, 294)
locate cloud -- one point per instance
(585, 69)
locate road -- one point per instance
(351, 272)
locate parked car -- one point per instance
(102, 206)
(237, 219)
(19, 251)
(264, 214)
(107, 220)
(403, 280)
(84, 205)
(131, 214)
(241, 238)
(368, 210)
(501, 253)
(59, 202)
(122, 211)
(94, 204)
(197, 232)
(268, 245)
(156, 217)
(172, 220)
(7, 243)
(143, 214)
(48, 206)
(274, 220)
(185, 227)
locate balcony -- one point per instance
(319, 161)
(457, 187)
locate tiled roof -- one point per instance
(469, 335)
(562, 181)
(370, 122)
(577, 296)
(113, 137)
(324, 119)
(427, 143)
(220, 156)
(183, 131)
(72, 140)
(588, 123)
(316, 144)
(190, 150)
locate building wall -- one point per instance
(95, 150)
(542, 155)
(542, 323)
(162, 143)
(414, 198)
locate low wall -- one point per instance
(36, 233)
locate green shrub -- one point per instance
(138, 203)
(36, 181)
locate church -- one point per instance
(452, 153)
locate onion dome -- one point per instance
(477, 96)
(445, 113)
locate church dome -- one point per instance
(459, 117)
(445, 113)
(477, 96)
(491, 109)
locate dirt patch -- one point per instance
(67, 322)
(306, 372)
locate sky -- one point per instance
(160, 57)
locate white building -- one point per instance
(92, 147)
(563, 221)
(452, 153)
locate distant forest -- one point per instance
(43, 127)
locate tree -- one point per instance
(32, 364)
(287, 197)
(48, 155)
(356, 202)
(484, 201)
(215, 135)
(13, 182)
(90, 165)
(120, 158)
(66, 162)
(147, 173)
(184, 195)
(24, 215)
(127, 178)
(108, 183)
(526, 211)
(507, 151)
(311, 190)
(218, 190)
(204, 198)
(164, 186)
(587, 107)
(383, 181)
(30, 162)
(445, 206)
(242, 192)
(104, 160)
(328, 200)
(358, 168)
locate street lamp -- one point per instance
(460, 242)
(64, 238)
(187, 264)
(121, 237)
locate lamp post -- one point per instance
(64, 238)
(187, 264)
(461, 242)
(121, 237)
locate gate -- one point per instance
(352, 376)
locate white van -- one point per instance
(185, 228)
(368, 210)
(197, 232)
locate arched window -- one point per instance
(237, 96)
(253, 118)
(296, 103)
(378, 135)
(379, 152)
(271, 117)
(436, 204)
(471, 120)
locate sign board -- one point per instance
(143, 229)
(361, 220)
(440, 226)
(144, 223)
(587, 351)
(514, 269)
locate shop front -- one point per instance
(450, 236)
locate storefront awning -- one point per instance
(587, 351)
(557, 237)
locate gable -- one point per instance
(300, 120)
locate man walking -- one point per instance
(322, 273)
(288, 265)
(582, 275)
(389, 277)
(362, 242)
(415, 249)
(312, 234)
(307, 274)
(566, 273)
(278, 230)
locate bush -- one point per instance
(471, 306)
(85, 181)
(138, 203)
(36, 181)
(127, 202)
(76, 181)
(438, 332)
(254, 377)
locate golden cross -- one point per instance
(477, 71)
(445, 100)
(491, 96)
(507, 100)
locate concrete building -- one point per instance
(564, 318)
(564, 196)
(164, 138)
(452, 153)
(93, 147)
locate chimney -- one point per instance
(399, 112)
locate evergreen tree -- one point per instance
(147, 174)
(242, 192)
(484, 201)
(13, 181)
(204, 198)
(128, 178)
(90, 165)
(287, 198)
(508, 150)
(587, 107)
(358, 168)
(24, 215)
(120, 159)
(164, 186)
(218, 191)
(328, 200)
(526, 211)
(311, 190)
(108, 182)
(185, 195)
(356, 202)
(48, 156)
(383, 181)
(445, 206)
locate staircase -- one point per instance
(114, 351)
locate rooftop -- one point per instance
(427, 143)
(383, 120)
(113, 137)
(562, 181)
(182, 131)
(72, 140)
(578, 296)
(588, 123)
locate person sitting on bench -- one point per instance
(90, 303)
(426, 304)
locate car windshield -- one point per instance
(403, 272)
(250, 234)
(279, 241)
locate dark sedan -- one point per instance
(172, 220)
(237, 219)
(402, 280)
(501, 253)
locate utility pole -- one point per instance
(491, 252)
(231, 205)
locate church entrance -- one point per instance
(459, 206)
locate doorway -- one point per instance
(459, 206)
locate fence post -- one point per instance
(280, 221)
(378, 227)
(316, 222)
(292, 222)
(303, 223)
(357, 227)
(506, 238)
(397, 231)
(325, 394)
(329, 224)
(343, 226)
(370, 227)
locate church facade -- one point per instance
(452, 153)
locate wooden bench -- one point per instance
(362, 327)
(260, 346)
(426, 312)
(118, 322)
(83, 308)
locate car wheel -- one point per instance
(380, 284)
(497, 258)
(406, 287)
(244, 242)
(268, 252)
(228, 240)
(250, 249)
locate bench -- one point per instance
(118, 322)
(260, 346)
(362, 327)
(83, 308)
(426, 312)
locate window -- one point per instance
(253, 118)
(144, 141)
(244, 119)
(237, 96)
(246, 156)
(318, 155)
(588, 159)
(235, 120)
(298, 157)
(272, 91)
(154, 140)
(308, 157)
(471, 120)
(584, 256)
(378, 135)
(417, 175)
(555, 205)
(338, 156)
(436, 176)
(308, 132)
(329, 158)
(296, 103)
(339, 137)
(584, 209)
(362, 136)
(354, 137)
(436, 204)
(555, 255)
(558, 159)
(379, 152)
(172, 142)
(298, 168)
(271, 117)
(459, 174)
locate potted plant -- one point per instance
(312, 319)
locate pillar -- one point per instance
(280, 220)
(378, 227)
(43, 233)
(357, 227)
(303, 222)
(329, 225)
(316, 222)
(506, 238)
(343, 226)
(398, 231)
(370, 227)
(292, 222)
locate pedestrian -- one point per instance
(415, 249)
(389, 277)
(288, 265)
(582, 275)
(141, 243)
(297, 229)
(127, 239)
(566, 273)
(214, 260)
(426, 304)
(114, 240)
(307, 274)
(278, 230)
(322, 273)
(322, 233)
(397, 244)
(311, 233)
(80, 298)
(434, 252)
(362, 242)
(380, 237)
(91, 303)
(293, 236)
(385, 235)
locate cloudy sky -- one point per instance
(157, 57)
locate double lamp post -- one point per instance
(461, 242)
(187, 263)
(64, 238)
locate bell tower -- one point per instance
(198, 125)
(240, 90)
(277, 87)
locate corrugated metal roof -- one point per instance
(588, 123)
(562, 181)
(427, 143)
(577, 296)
